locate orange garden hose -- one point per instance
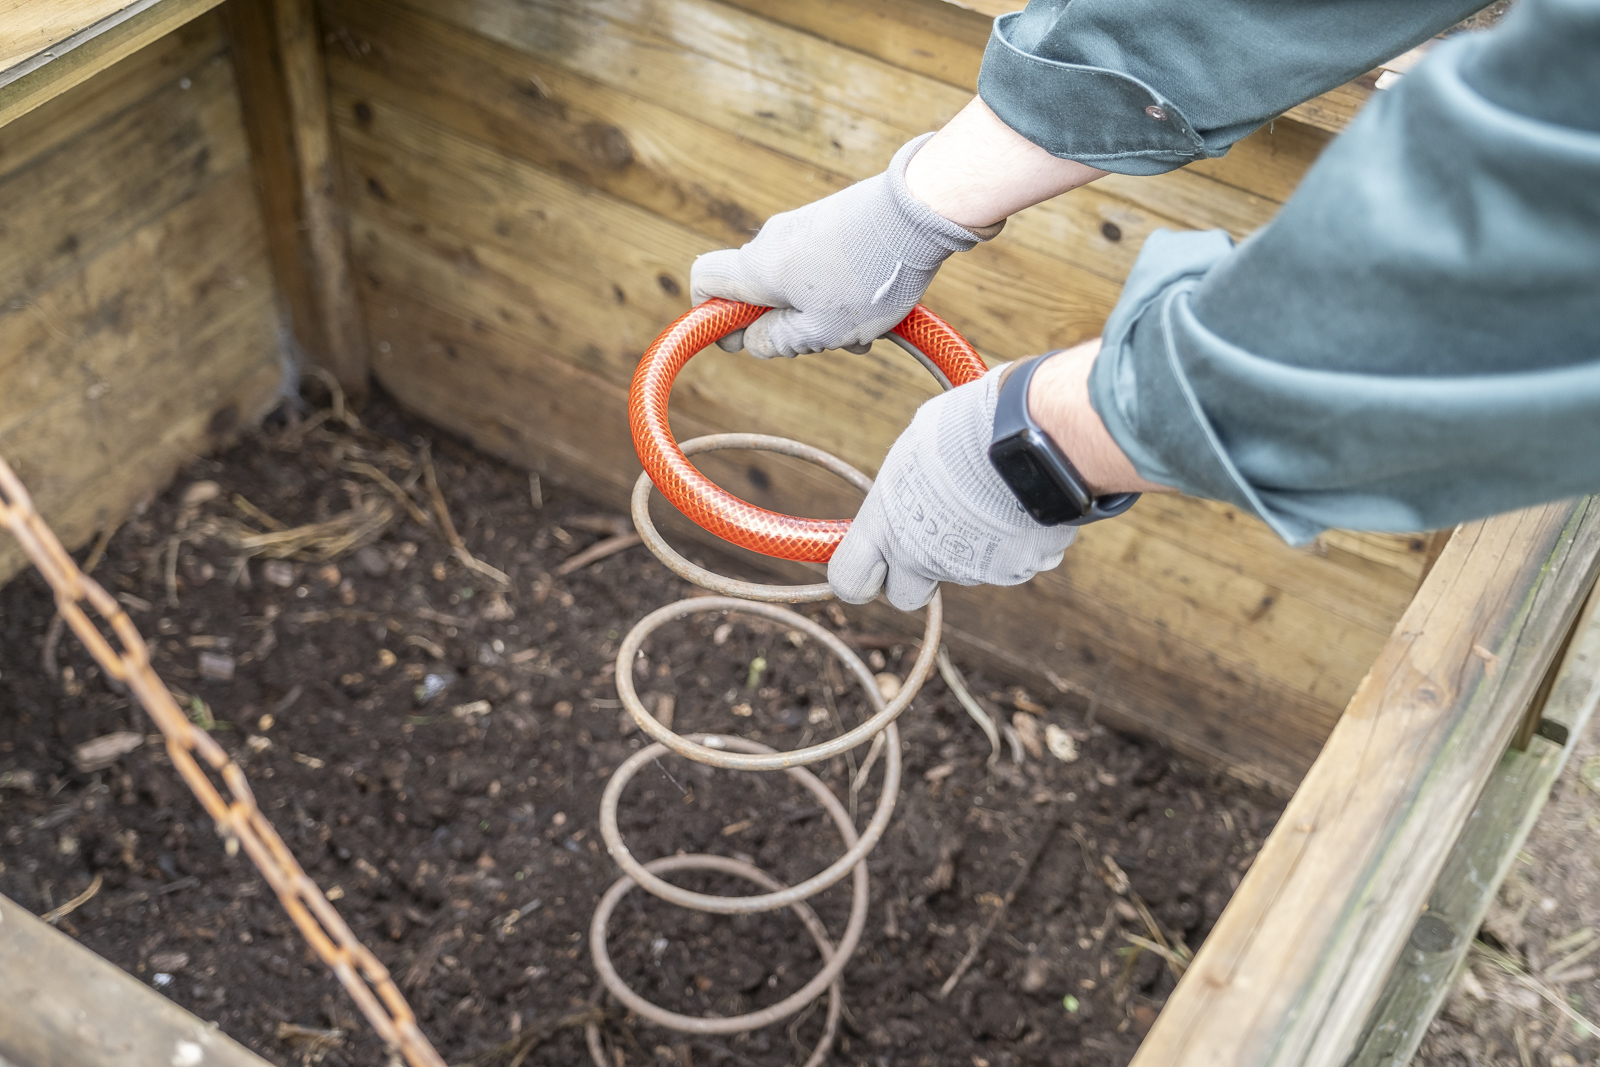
(703, 501)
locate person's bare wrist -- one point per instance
(1058, 400)
(977, 171)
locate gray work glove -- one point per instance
(838, 272)
(938, 511)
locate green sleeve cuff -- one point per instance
(1144, 394)
(1099, 117)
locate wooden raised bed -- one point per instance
(490, 208)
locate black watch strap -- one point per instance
(1044, 480)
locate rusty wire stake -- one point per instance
(737, 753)
(358, 970)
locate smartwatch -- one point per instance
(1045, 482)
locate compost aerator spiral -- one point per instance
(954, 362)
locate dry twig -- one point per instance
(336, 397)
(244, 505)
(521, 1047)
(1178, 962)
(1528, 981)
(994, 920)
(55, 915)
(442, 513)
(1176, 958)
(318, 541)
(958, 686)
(597, 552)
(387, 484)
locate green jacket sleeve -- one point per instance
(1145, 86)
(1415, 339)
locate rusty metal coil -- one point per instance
(667, 466)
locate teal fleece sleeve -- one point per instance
(1145, 86)
(1415, 340)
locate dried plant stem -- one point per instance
(597, 552)
(1178, 963)
(1528, 981)
(958, 686)
(442, 513)
(387, 484)
(994, 920)
(55, 915)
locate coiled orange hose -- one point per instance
(708, 504)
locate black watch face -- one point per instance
(1027, 473)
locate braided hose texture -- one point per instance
(702, 500)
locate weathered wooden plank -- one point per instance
(858, 112)
(709, 179)
(161, 348)
(283, 88)
(90, 464)
(1006, 299)
(67, 1007)
(74, 59)
(1480, 861)
(1301, 954)
(90, 193)
(511, 399)
(945, 40)
(1367, 579)
(1269, 163)
(917, 36)
(539, 249)
(1333, 110)
(161, 64)
(32, 27)
(138, 326)
(930, 37)
(94, 333)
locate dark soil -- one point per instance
(463, 846)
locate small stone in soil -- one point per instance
(432, 685)
(278, 572)
(216, 667)
(372, 562)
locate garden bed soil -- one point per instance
(460, 838)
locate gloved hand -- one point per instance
(838, 272)
(938, 511)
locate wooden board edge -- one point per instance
(1377, 918)
(67, 1005)
(1496, 830)
(94, 49)
(1285, 979)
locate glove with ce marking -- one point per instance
(838, 272)
(938, 511)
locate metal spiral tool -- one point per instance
(667, 466)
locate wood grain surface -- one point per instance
(48, 48)
(49, 979)
(1301, 954)
(529, 184)
(138, 322)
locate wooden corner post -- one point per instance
(283, 89)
